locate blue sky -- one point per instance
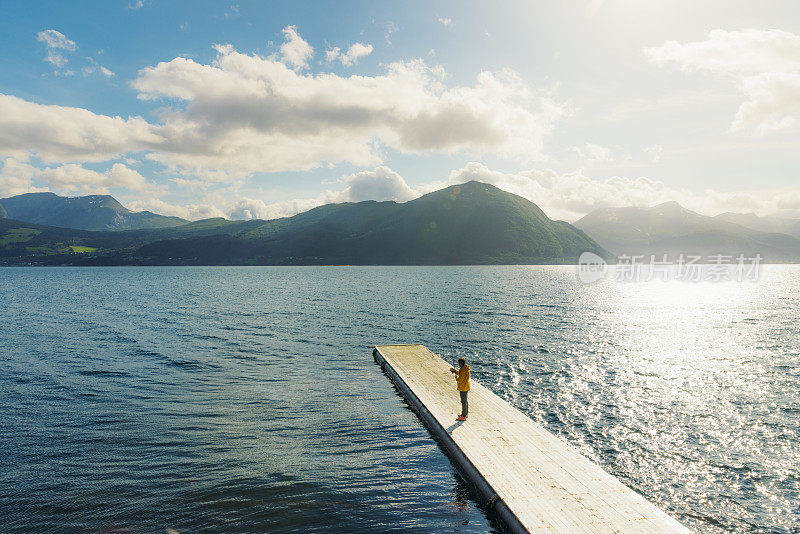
(254, 109)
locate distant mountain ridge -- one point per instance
(669, 228)
(764, 224)
(472, 223)
(91, 212)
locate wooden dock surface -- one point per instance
(534, 481)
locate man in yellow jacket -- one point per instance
(462, 383)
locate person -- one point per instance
(462, 384)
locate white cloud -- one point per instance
(295, 51)
(332, 54)
(245, 113)
(381, 183)
(764, 63)
(56, 43)
(191, 212)
(71, 177)
(16, 177)
(351, 57)
(355, 52)
(743, 51)
(773, 103)
(242, 208)
(247, 208)
(19, 177)
(61, 134)
(445, 21)
(282, 208)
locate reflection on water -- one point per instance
(241, 399)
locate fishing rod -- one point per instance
(450, 343)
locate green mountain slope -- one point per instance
(93, 212)
(473, 223)
(672, 229)
(3, 214)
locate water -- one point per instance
(246, 399)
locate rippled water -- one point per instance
(246, 399)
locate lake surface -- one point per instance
(246, 399)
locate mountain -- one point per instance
(3, 214)
(93, 212)
(672, 229)
(23, 243)
(473, 223)
(763, 224)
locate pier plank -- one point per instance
(534, 480)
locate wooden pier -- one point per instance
(532, 480)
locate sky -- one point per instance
(264, 109)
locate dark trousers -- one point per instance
(464, 403)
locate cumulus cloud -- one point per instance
(75, 178)
(242, 208)
(765, 65)
(381, 183)
(248, 208)
(61, 134)
(191, 212)
(56, 43)
(295, 51)
(19, 177)
(773, 103)
(16, 177)
(282, 208)
(351, 57)
(245, 113)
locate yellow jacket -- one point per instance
(462, 378)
